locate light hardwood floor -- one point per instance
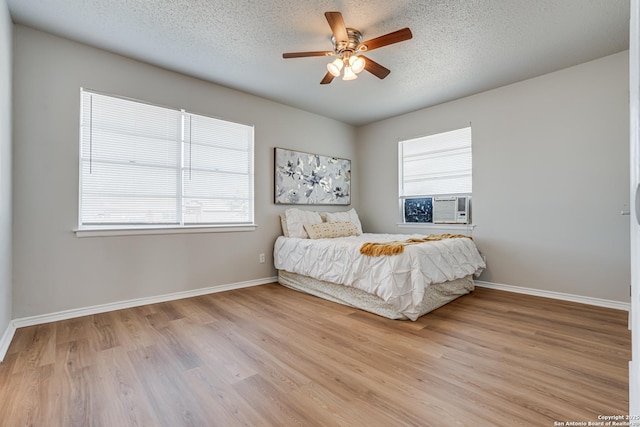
(271, 356)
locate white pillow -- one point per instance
(348, 216)
(297, 218)
(283, 224)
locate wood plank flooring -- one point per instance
(270, 356)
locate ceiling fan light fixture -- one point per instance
(349, 74)
(347, 44)
(334, 67)
(357, 64)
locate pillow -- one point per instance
(329, 230)
(283, 224)
(296, 218)
(348, 216)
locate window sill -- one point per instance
(430, 226)
(107, 232)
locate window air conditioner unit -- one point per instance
(451, 210)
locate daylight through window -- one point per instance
(435, 168)
(142, 165)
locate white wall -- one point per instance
(550, 177)
(54, 270)
(634, 184)
(5, 167)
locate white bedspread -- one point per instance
(400, 280)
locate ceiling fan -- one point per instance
(347, 46)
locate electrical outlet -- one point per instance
(261, 258)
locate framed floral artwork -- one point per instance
(311, 179)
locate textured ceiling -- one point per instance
(459, 47)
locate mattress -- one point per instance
(399, 280)
(435, 296)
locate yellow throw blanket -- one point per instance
(397, 247)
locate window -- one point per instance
(433, 167)
(144, 166)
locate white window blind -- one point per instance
(145, 165)
(436, 164)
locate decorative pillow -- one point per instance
(348, 216)
(329, 230)
(296, 218)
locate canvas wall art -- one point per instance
(311, 179)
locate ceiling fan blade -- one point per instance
(328, 78)
(387, 39)
(374, 68)
(338, 28)
(305, 54)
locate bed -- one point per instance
(329, 264)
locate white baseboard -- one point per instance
(618, 305)
(103, 308)
(6, 339)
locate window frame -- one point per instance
(402, 197)
(92, 230)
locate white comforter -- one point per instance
(400, 280)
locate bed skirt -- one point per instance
(435, 295)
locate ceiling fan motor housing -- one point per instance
(346, 48)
